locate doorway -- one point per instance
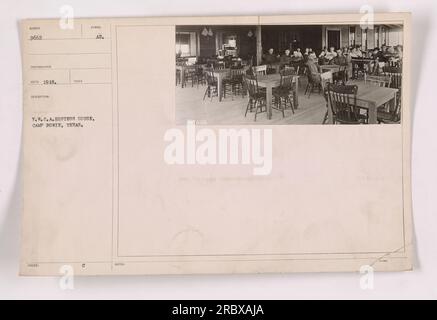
(333, 39)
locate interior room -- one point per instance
(288, 74)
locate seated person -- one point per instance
(285, 59)
(323, 53)
(354, 52)
(378, 55)
(398, 52)
(360, 51)
(311, 64)
(340, 59)
(322, 56)
(299, 54)
(270, 57)
(297, 57)
(331, 54)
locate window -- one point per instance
(183, 44)
(377, 31)
(352, 36)
(384, 36)
(364, 39)
(395, 37)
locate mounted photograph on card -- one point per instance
(185, 145)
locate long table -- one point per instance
(330, 67)
(370, 97)
(271, 81)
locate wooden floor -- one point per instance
(190, 106)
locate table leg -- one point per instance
(373, 116)
(182, 77)
(393, 103)
(219, 86)
(269, 101)
(296, 98)
(330, 117)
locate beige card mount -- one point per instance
(185, 145)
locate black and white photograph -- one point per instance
(289, 74)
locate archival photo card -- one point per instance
(233, 144)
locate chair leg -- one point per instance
(256, 108)
(206, 92)
(247, 107)
(325, 119)
(290, 99)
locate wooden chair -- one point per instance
(178, 76)
(212, 85)
(343, 101)
(285, 93)
(395, 75)
(199, 76)
(219, 65)
(360, 67)
(385, 114)
(326, 78)
(379, 81)
(189, 74)
(293, 69)
(257, 99)
(391, 116)
(234, 84)
(396, 63)
(260, 70)
(395, 78)
(341, 75)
